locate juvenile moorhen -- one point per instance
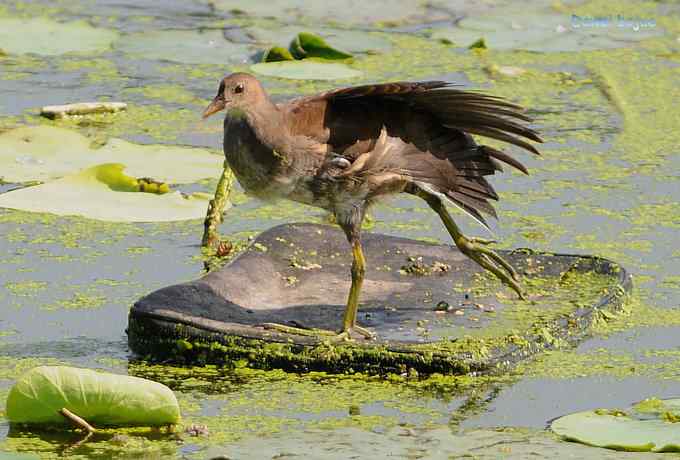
(344, 149)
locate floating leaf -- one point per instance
(100, 398)
(479, 44)
(44, 152)
(277, 54)
(631, 430)
(306, 45)
(104, 192)
(186, 46)
(47, 37)
(352, 41)
(543, 31)
(306, 70)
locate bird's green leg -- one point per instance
(216, 208)
(349, 322)
(474, 249)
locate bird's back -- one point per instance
(396, 135)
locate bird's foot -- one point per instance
(491, 261)
(353, 331)
(342, 336)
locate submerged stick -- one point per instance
(216, 206)
(78, 421)
(81, 108)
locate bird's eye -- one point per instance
(238, 88)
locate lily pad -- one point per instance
(51, 38)
(104, 192)
(541, 31)
(339, 11)
(352, 41)
(43, 153)
(306, 70)
(186, 46)
(98, 397)
(646, 427)
(308, 45)
(277, 54)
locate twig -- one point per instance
(81, 108)
(216, 208)
(78, 421)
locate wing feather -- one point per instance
(430, 117)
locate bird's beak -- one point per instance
(215, 106)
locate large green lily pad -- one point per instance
(542, 31)
(306, 70)
(186, 46)
(98, 397)
(43, 153)
(650, 426)
(104, 192)
(49, 37)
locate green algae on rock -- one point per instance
(630, 430)
(51, 38)
(104, 192)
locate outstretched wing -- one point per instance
(432, 122)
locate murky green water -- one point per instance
(608, 183)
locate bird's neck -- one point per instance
(251, 140)
(264, 119)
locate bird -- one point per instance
(345, 149)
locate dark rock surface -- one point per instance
(415, 294)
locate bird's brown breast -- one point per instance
(263, 171)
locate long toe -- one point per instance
(321, 333)
(494, 263)
(353, 333)
(367, 334)
(500, 261)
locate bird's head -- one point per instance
(237, 92)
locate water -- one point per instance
(607, 184)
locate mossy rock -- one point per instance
(432, 308)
